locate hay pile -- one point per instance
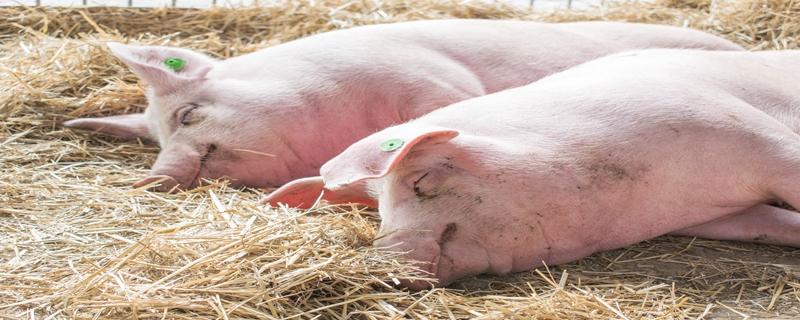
(77, 242)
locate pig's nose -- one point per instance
(161, 183)
(416, 246)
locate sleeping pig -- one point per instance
(274, 115)
(612, 152)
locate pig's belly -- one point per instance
(629, 228)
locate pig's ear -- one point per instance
(376, 156)
(165, 69)
(129, 126)
(304, 193)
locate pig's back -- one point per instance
(505, 54)
(631, 88)
(769, 81)
(627, 36)
(501, 54)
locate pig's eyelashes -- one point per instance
(185, 114)
(417, 190)
(210, 148)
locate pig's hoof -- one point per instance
(417, 285)
(301, 193)
(159, 183)
(276, 200)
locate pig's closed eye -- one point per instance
(419, 191)
(185, 114)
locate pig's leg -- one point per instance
(761, 224)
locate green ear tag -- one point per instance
(176, 64)
(391, 145)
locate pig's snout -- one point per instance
(425, 248)
(177, 167)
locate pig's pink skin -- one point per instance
(604, 155)
(304, 193)
(307, 100)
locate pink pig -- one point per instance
(271, 116)
(612, 152)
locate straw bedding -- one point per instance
(76, 241)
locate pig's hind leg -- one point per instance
(770, 157)
(762, 224)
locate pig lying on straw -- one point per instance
(612, 152)
(278, 114)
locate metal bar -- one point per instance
(130, 3)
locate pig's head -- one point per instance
(208, 123)
(440, 197)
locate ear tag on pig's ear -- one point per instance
(175, 64)
(391, 145)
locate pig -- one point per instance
(609, 153)
(278, 114)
